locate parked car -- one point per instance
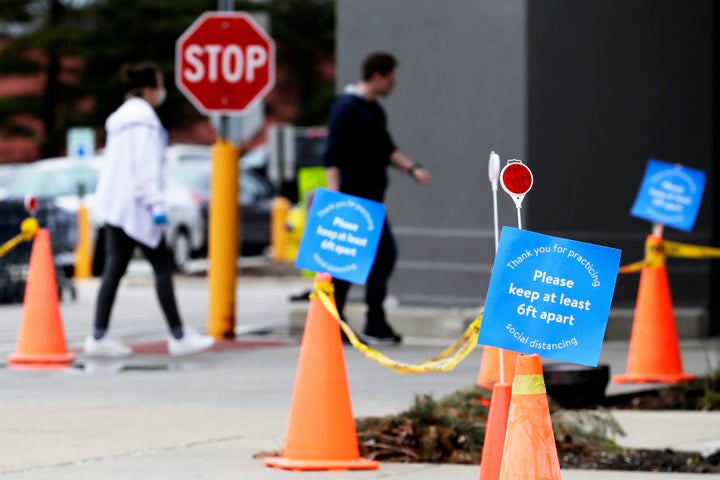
(291, 149)
(188, 205)
(8, 171)
(14, 263)
(187, 198)
(186, 201)
(184, 153)
(63, 181)
(256, 159)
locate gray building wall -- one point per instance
(611, 84)
(583, 91)
(460, 93)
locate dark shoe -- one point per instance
(389, 339)
(301, 297)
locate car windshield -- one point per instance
(54, 182)
(198, 179)
(7, 175)
(255, 186)
(195, 178)
(195, 158)
(310, 150)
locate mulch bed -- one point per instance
(452, 430)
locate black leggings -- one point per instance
(118, 251)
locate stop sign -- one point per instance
(516, 179)
(224, 62)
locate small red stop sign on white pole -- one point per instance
(225, 62)
(516, 179)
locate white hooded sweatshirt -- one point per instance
(130, 187)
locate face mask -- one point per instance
(161, 97)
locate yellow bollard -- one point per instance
(28, 228)
(294, 228)
(223, 241)
(278, 234)
(83, 251)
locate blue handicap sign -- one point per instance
(550, 296)
(80, 142)
(341, 235)
(669, 194)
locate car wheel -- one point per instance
(182, 250)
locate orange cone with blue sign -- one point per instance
(321, 432)
(654, 353)
(530, 451)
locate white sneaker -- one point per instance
(105, 347)
(191, 342)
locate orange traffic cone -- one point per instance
(494, 442)
(490, 372)
(41, 341)
(654, 354)
(321, 432)
(530, 450)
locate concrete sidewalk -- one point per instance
(206, 416)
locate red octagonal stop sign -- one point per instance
(224, 62)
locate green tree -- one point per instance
(53, 35)
(304, 31)
(127, 31)
(106, 34)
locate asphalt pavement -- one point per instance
(215, 414)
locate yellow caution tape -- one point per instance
(654, 256)
(633, 267)
(528, 384)
(656, 250)
(28, 227)
(447, 360)
(675, 249)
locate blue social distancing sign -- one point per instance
(550, 296)
(669, 194)
(341, 235)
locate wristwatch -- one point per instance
(413, 167)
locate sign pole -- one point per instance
(493, 174)
(223, 239)
(517, 180)
(223, 229)
(224, 64)
(657, 229)
(225, 6)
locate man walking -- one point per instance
(359, 151)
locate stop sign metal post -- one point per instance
(224, 63)
(517, 180)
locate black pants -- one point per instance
(375, 287)
(118, 251)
